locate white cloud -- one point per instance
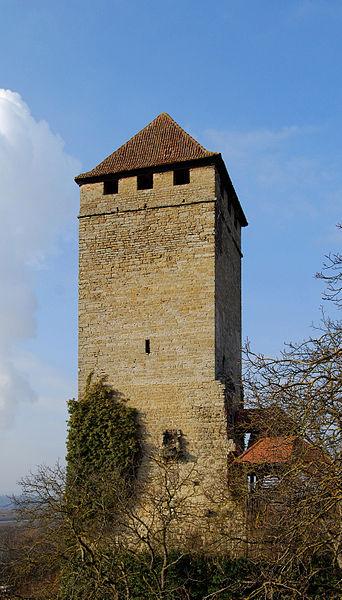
(54, 388)
(37, 201)
(285, 173)
(289, 182)
(305, 9)
(238, 143)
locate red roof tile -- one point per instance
(269, 450)
(282, 450)
(161, 142)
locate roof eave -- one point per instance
(90, 177)
(213, 158)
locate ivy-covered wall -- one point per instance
(103, 433)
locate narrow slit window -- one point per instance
(111, 186)
(181, 176)
(145, 182)
(147, 347)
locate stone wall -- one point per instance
(227, 291)
(163, 265)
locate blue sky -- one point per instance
(258, 81)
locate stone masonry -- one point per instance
(160, 288)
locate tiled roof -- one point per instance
(161, 142)
(269, 450)
(281, 450)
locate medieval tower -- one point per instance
(160, 287)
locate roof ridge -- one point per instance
(162, 141)
(183, 131)
(149, 126)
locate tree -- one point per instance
(30, 566)
(97, 531)
(64, 515)
(295, 503)
(154, 550)
(331, 274)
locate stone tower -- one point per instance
(160, 287)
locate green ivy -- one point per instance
(103, 454)
(103, 450)
(103, 432)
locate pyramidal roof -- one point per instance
(161, 142)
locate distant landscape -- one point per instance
(7, 511)
(5, 502)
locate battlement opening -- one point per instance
(181, 176)
(145, 182)
(111, 186)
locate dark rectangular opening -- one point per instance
(111, 186)
(147, 347)
(181, 176)
(145, 182)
